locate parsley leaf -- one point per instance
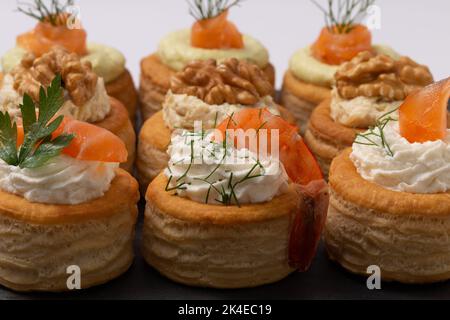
(38, 146)
(8, 139)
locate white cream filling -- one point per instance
(414, 167)
(63, 180)
(180, 111)
(360, 112)
(94, 110)
(203, 174)
(10, 99)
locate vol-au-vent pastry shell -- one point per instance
(39, 241)
(405, 234)
(217, 246)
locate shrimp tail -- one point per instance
(308, 223)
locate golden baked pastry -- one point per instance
(39, 241)
(233, 219)
(405, 234)
(300, 98)
(155, 82)
(119, 123)
(217, 246)
(123, 89)
(326, 137)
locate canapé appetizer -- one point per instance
(64, 202)
(212, 36)
(390, 194)
(310, 76)
(230, 212)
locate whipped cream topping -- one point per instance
(94, 110)
(360, 112)
(63, 180)
(414, 167)
(206, 172)
(182, 110)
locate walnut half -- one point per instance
(232, 81)
(379, 76)
(78, 78)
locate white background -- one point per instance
(417, 28)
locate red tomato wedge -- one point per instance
(423, 114)
(91, 143)
(216, 33)
(45, 36)
(336, 48)
(302, 168)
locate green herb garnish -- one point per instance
(52, 13)
(38, 146)
(376, 132)
(341, 15)
(207, 9)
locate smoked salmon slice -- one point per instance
(335, 48)
(45, 36)
(216, 33)
(90, 142)
(423, 114)
(300, 164)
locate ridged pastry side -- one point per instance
(151, 97)
(407, 248)
(216, 246)
(150, 162)
(323, 151)
(208, 255)
(152, 158)
(35, 257)
(301, 98)
(119, 123)
(123, 89)
(39, 241)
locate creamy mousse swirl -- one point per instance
(414, 167)
(182, 110)
(63, 180)
(198, 170)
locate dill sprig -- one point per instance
(375, 135)
(207, 9)
(52, 13)
(341, 15)
(224, 187)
